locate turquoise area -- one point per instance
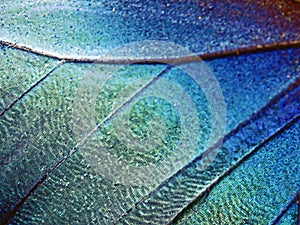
(118, 143)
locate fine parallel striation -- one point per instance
(109, 206)
(164, 204)
(256, 190)
(19, 72)
(42, 128)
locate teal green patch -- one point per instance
(258, 189)
(154, 124)
(290, 217)
(122, 177)
(18, 72)
(42, 127)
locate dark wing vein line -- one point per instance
(164, 60)
(246, 122)
(179, 60)
(31, 88)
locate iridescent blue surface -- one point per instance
(88, 28)
(86, 143)
(255, 191)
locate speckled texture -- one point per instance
(113, 199)
(248, 82)
(257, 189)
(91, 27)
(290, 217)
(31, 140)
(104, 199)
(165, 202)
(19, 71)
(39, 130)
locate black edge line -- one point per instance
(293, 200)
(193, 211)
(298, 218)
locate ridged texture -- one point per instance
(260, 187)
(248, 82)
(103, 198)
(241, 95)
(31, 139)
(171, 197)
(77, 194)
(39, 130)
(164, 204)
(19, 71)
(43, 127)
